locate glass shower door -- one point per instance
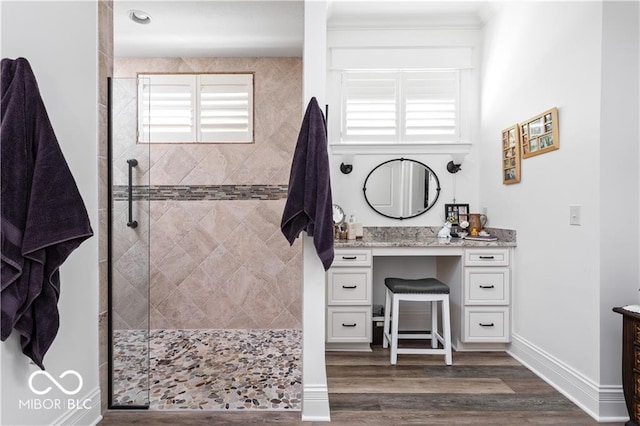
(129, 279)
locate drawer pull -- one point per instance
(349, 257)
(487, 257)
(349, 286)
(349, 325)
(487, 286)
(483, 325)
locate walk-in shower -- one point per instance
(205, 292)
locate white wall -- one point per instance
(619, 184)
(62, 53)
(538, 55)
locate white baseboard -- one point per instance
(603, 403)
(315, 404)
(88, 413)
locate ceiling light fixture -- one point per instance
(139, 17)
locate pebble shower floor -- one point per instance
(209, 369)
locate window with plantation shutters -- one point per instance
(188, 108)
(400, 106)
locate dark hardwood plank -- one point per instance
(460, 371)
(410, 385)
(373, 371)
(533, 385)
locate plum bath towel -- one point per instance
(309, 207)
(43, 215)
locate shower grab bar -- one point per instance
(132, 163)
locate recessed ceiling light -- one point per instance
(139, 17)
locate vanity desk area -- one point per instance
(477, 272)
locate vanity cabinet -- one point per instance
(479, 278)
(486, 295)
(349, 300)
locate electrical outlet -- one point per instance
(484, 211)
(575, 215)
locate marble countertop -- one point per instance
(399, 236)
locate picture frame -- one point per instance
(511, 142)
(456, 213)
(539, 134)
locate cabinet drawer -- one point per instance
(486, 257)
(348, 324)
(486, 286)
(486, 324)
(352, 257)
(349, 286)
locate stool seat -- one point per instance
(430, 290)
(416, 286)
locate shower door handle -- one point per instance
(132, 163)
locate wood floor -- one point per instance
(364, 389)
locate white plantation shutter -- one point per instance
(370, 106)
(226, 108)
(400, 106)
(166, 106)
(191, 108)
(431, 105)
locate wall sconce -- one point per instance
(453, 168)
(346, 166)
(454, 165)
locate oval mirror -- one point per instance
(401, 188)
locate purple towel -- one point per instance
(43, 216)
(309, 207)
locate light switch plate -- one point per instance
(575, 215)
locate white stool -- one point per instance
(423, 290)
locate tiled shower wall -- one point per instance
(219, 260)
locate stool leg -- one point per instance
(394, 327)
(434, 324)
(386, 331)
(446, 326)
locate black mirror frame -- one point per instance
(364, 188)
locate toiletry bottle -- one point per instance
(351, 229)
(358, 226)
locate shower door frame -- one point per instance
(110, 329)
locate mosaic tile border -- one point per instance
(201, 192)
